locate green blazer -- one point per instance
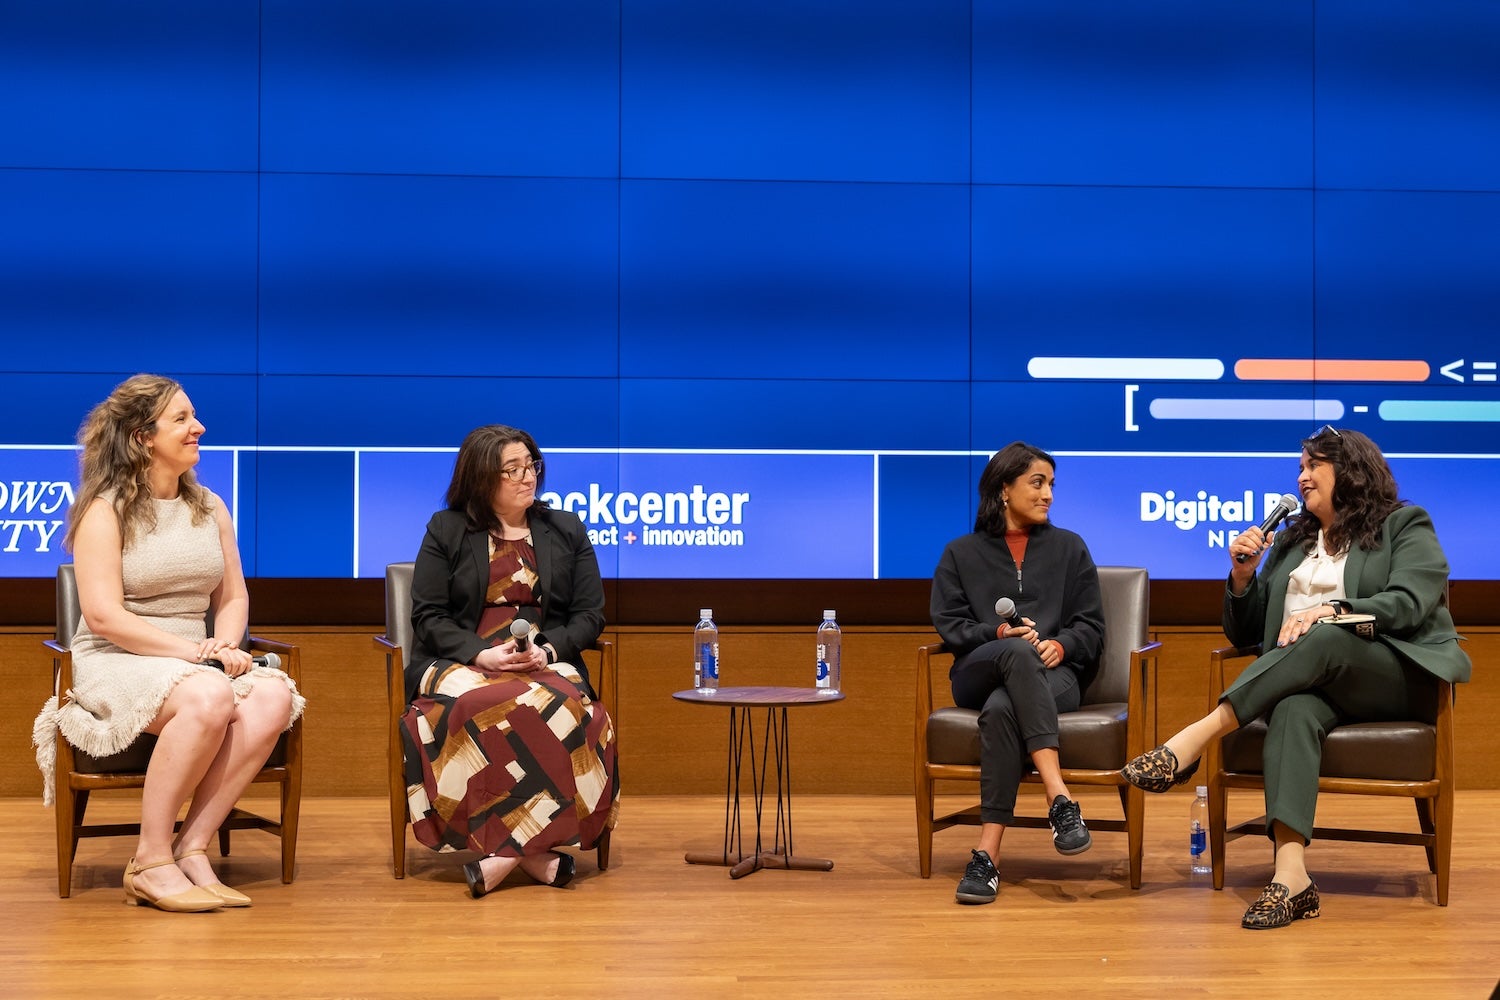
(1402, 583)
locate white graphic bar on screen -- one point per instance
(1116, 369)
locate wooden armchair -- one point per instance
(394, 646)
(1111, 726)
(78, 774)
(1401, 759)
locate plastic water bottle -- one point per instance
(706, 652)
(830, 650)
(1198, 834)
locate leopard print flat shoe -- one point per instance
(1156, 770)
(1277, 907)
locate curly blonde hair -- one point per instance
(113, 459)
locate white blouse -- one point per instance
(1318, 579)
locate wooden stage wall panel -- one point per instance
(861, 745)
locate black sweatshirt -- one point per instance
(1057, 586)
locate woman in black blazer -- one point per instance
(507, 751)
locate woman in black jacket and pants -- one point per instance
(1018, 673)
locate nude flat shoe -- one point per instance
(226, 895)
(194, 900)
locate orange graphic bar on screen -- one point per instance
(1329, 370)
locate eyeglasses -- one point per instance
(1327, 429)
(519, 473)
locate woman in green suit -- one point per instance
(1353, 549)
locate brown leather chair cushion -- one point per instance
(1393, 751)
(134, 758)
(131, 760)
(953, 736)
(1092, 737)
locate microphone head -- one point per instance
(272, 660)
(520, 630)
(1006, 609)
(1290, 501)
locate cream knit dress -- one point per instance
(169, 575)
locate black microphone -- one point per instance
(1006, 609)
(269, 660)
(520, 630)
(1286, 505)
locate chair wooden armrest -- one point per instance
(1140, 703)
(1216, 661)
(291, 656)
(607, 684)
(62, 665)
(924, 677)
(924, 705)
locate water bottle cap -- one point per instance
(1203, 791)
(830, 615)
(705, 612)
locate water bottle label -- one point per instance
(708, 663)
(822, 665)
(1198, 840)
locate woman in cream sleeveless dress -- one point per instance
(149, 569)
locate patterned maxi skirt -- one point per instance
(515, 764)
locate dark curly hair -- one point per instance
(476, 473)
(1364, 493)
(1007, 464)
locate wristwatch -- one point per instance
(1341, 607)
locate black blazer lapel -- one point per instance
(477, 567)
(542, 544)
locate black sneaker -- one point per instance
(1069, 835)
(981, 883)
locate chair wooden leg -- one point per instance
(924, 797)
(66, 841)
(398, 833)
(1217, 821)
(1425, 821)
(396, 788)
(291, 815)
(1443, 821)
(1135, 829)
(602, 848)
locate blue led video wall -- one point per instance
(767, 281)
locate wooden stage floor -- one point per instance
(653, 926)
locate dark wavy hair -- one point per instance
(476, 473)
(1004, 468)
(1364, 492)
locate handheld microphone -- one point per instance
(269, 660)
(1006, 609)
(1286, 505)
(520, 630)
